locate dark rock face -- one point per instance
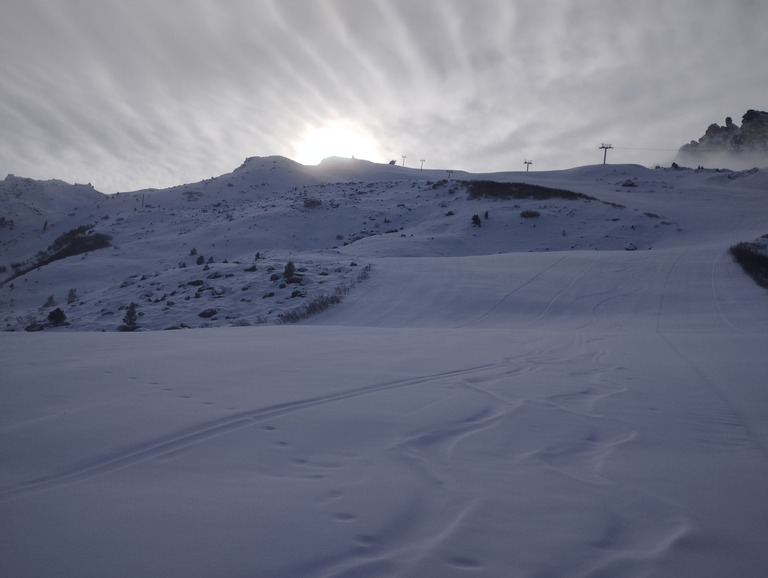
(754, 130)
(731, 144)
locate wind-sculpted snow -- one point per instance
(477, 406)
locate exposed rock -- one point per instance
(731, 145)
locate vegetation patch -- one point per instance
(753, 258)
(76, 241)
(317, 305)
(497, 190)
(323, 301)
(57, 317)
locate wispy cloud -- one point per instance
(146, 93)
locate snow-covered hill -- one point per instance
(571, 385)
(222, 244)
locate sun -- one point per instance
(334, 139)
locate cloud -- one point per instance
(146, 93)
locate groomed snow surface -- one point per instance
(582, 394)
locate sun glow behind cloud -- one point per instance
(337, 139)
(139, 94)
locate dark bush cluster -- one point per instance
(57, 317)
(497, 190)
(76, 241)
(753, 260)
(66, 238)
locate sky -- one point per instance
(130, 94)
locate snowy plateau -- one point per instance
(365, 370)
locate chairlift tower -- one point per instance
(422, 164)
(527, 165)
(605, 148)
(404, 157)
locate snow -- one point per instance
(581, 394)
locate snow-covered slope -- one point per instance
(578, 393)
(219, 244)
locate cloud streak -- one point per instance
(138, 94)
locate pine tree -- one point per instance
(130, 318)
(57, 317)
(290, 269)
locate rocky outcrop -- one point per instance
(730, 145)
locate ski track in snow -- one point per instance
(202, 433)
(726, 414)
(559, 295)
(510, 294)
(449, 497)
(577, 456)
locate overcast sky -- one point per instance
(128, 94)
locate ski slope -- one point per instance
(490, 401)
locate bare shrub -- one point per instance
(317, 305)
(323, 301)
